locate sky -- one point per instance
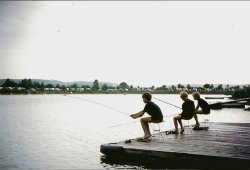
(142, 43)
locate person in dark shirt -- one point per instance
(153, 110)
(205, 108)
(187, 112)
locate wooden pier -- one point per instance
(223, 145)
(239, 103)
(216, 97)
(234, 105)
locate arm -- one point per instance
(197, 107)
(136, 115)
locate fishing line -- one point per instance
(112, 108)
(106, 106)
(122, 124)
(167, 103)
(134, 122)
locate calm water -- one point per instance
(65, 132)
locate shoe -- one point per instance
(147, 140)
(196, 125)
(128, 141)
(171, 132)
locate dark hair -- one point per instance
(147, 96)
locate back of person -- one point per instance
(153, 110)
(204, 106)
(188, 109)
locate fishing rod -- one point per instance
(167, 103)
(106, 106)
(122, 124)
(109, 107)
(134, 122)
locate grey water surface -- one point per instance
(66, 131)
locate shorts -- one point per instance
(156, 118)
(206, 111)
(187, 117)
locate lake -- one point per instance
(65, 132)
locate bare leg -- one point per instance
(196, 120)
(196, 117)
(180, 122)
(148, 130)
(175, 119)
(145, 126)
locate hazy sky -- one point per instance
(142, 43)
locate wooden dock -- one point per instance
(223, 145)
(216, 97)
(239, 103)
(234, 105)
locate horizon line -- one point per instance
(90, 81)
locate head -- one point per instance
(184, 95)
(146, 97)
(196, 95)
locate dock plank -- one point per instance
(226, 141)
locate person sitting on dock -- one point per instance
(205, 108)
(187, 112)
(153, 110)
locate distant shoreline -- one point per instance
(68, 93)
(39, 86)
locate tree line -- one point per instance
(29, 86)
(242, 93)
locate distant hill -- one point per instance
(90, 83)
(55, 82)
